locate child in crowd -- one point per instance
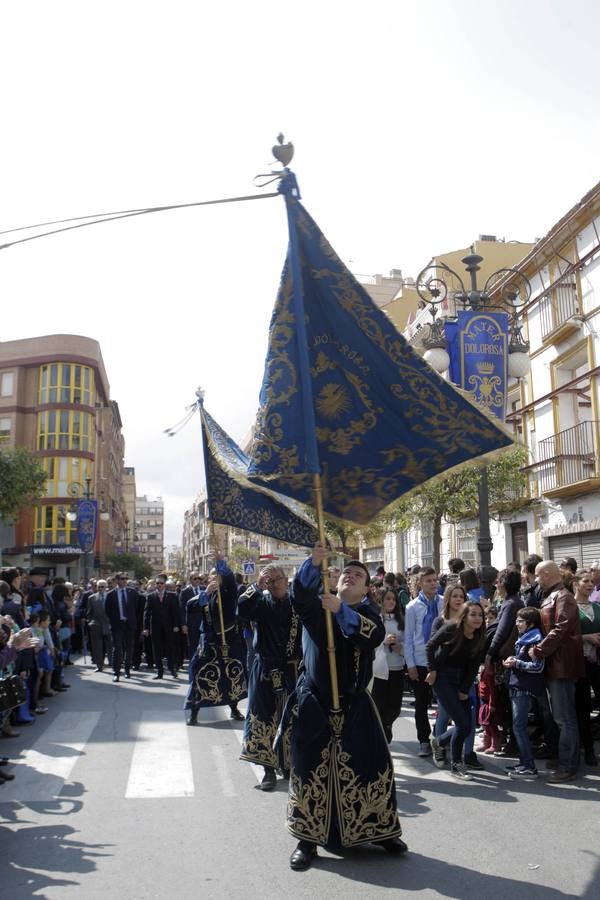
(40, 628)
(488, 711)
(525, 682)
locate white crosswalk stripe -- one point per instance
(44, 768)
(161, 765)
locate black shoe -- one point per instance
(64, 686)
(236, 714)
(116, 678)
(6, 776)
(394, 845)
(269, 782)
(472, 762)
(158, 676)
(61, 690)
(303, 856)
(4, 761)
(192, 719)
(136, 668)
(590, 758)
(174, 674)
(98, 669)
(127, 674)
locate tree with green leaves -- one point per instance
(128, 562)
(22, 481)
(455, 497)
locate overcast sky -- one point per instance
(417, 126)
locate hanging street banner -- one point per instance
(478, 349)
(87, 521)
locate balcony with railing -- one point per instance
(559, 309)
(568, 462)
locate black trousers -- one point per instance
(422, 693)
(584, 704)
(387, 697)
(163, 645)
(123, 644)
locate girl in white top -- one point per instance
(388, 666)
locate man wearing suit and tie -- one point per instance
(121, 610)
(99, 625)
(162, 622)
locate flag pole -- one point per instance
(224, 647)
(335, 693)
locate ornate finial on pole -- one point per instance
(200, 394)
(283, 153)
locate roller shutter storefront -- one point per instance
(584, 547)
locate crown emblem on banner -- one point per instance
(485, 368)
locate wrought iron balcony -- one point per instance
(559, 307)
(568, 462)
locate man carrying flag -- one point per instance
(278, 652)
(342, 790)
(217, 675)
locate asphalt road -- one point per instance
(115, 797)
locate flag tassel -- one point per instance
(333, 676)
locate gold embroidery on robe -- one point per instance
(259, 739)
(365, 811)
(366, 627)
(309, 803)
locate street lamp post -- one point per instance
(75, 490)
(506, 290)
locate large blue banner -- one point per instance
(345, 393)
(233, 500)
(478, 348)
(87, 520)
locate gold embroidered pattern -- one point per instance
(234, 672)
(366, 627)
(293, 635)
(366, 811)
(309, 803)
(210, 673)
(276, 676)
(259, 737)
(208, 680)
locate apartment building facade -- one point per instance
(55, 401)
(149, 531)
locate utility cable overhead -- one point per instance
(123, 214)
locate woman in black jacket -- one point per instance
(454, 654)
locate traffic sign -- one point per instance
(249, 568)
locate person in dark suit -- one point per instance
(138, 646)
(190, 593)
(162, 623)
(121, 609)
(99, 626)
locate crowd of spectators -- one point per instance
(519, 670)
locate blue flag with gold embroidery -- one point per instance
(345, 395)
(233, 500)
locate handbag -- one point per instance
(12, 692)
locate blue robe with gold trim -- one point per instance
(218, 677)
(278, 651)
(342, 790)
